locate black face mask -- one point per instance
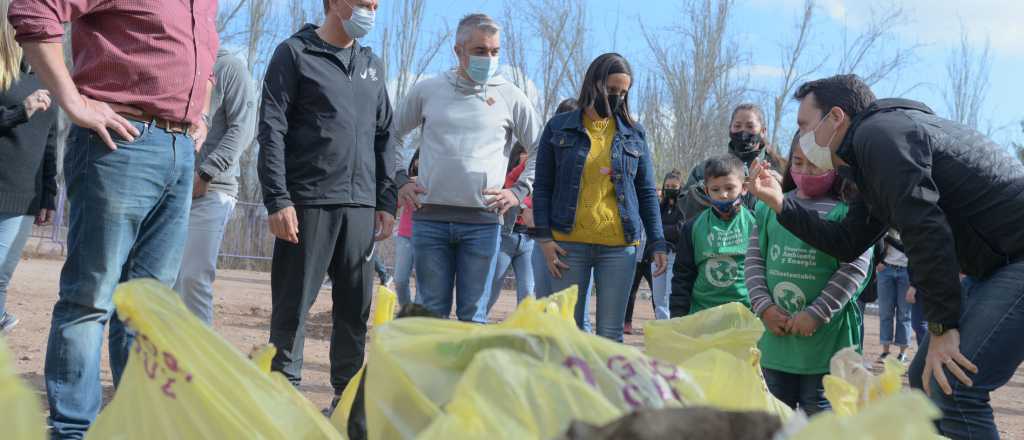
(746, 146)
(612, 107)
(671, 193)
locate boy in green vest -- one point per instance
(708, 271)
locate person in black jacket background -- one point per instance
(672, 220)
(28, 146)
(957, 200)
(324, 127)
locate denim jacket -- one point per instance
(561, 155)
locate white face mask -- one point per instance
(820, 156)
(361, 22)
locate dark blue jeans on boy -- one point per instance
(128, 219)
(798, 390)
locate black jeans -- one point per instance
(337, 239)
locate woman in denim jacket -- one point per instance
(595, 194)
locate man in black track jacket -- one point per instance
(325, 123)
(957, 200)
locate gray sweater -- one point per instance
(232, 124)
(468, 133)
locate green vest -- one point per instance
(795, 274)
(719, 249)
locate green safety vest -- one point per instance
(796, 273)
(719, 249)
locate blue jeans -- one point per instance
(14, 230)
(991, 325)
(803, 390)
(455, 255)
(542, 284)
(206, 222)
(613, 269)
(517, 253)
(917, 322)
(893, 283)
(128, 219)
(663, 289)
(405, 257)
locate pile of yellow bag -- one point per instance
(527, 377)
(183, 381)
(718, 348)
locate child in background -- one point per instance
(708, 270)
(405, 257)
(805, 297)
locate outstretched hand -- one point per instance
(763, 183)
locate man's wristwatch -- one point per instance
(937, 329)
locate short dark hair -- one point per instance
(847, 92)
(673, 175)
(594, 87)
(567, 105)
(720, 166)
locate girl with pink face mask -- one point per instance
(806, 298)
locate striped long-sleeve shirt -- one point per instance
(837, 293)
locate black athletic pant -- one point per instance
(338, 239)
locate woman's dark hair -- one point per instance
(842, 189)
(595, 90)
(414, 164)
(673, 175)
(513, 157)
(567, 105)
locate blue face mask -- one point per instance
(482, 69)
(724, 207)
(360, 24)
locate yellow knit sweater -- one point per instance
(597, 210)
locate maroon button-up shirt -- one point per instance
(156, 55)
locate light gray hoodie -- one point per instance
(468, 132)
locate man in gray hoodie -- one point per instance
(470, 119)
(215, 191)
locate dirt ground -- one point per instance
(242, 309)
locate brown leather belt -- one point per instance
(161, 123)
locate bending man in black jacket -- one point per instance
(957, 199)
(324, 127)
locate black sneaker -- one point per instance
(330, 409)
(881, 359)
(8, 322)
(902, 358)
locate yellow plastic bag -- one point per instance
(506, 394)
(903, 416)
(732, 384)
(184, 381)
(851, 386)
(415, 364)
(383, 313)
(718, 348)
(731, 328)
(20, 414)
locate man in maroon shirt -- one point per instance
(138, 98)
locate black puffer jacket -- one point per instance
(956, 198)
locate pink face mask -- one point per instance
(814, 186)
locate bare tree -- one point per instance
(873, 53)
(407, 49)
(967, 70)
(297, 10)
(557, 29)
(793, 69)
(696, 62)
